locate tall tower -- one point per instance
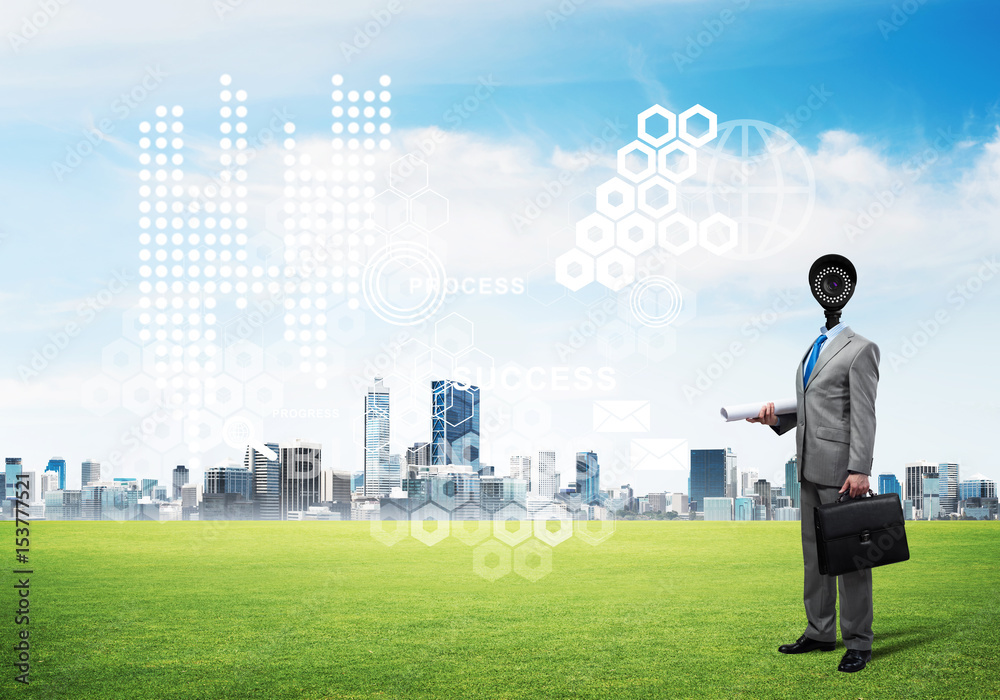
(708, 475)
(732, 474)
(913, 488)
(377, 472)
(58, 465)
(90, 471)
(792, 485)
(455, 425)
(948, 473)
(181, 478)
(301, 476)
(588, 478)
(520, 468)
(546, 486)
(266, 482)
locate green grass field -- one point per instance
(322, 610)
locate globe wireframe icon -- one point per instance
(760, 177)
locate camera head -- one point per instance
(832, 279)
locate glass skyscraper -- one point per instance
(888, 483)
(266, 482)
(948, 475)
(455, 424)
(546, 487)
(977, 486)
(588, 478)
(181, 478)
(792, 486)
(378, 480)
(90, 471)
(228, 479)
(58, 465)
(708, 475)
(301, 467)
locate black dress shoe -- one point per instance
(854, 660)
(804, 644)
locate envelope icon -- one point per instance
(660, 454)
(621, 416)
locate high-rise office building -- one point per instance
(588, 478)
(793, 489)
(378, 481)
(455, 424)
(744, 508)
(708, 475)
(747, 481)
(732, 475)
(888, 483)
(658, 502)
(763, 489)
(930, 488)
(301, 467)
(912, 484)
(266, 479)
(547, 484)
(228, 479)
(182, 477)
(358, 482)
(90, 472)
(948, 485)
(335, 486)
(977, 486)
(497, 491)
(418, 455)
(49, 482)
(58, 465)
(191, 495)
(147, 486)
(520, 468)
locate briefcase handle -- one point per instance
(845, 493)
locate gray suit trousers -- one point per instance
(820, 592)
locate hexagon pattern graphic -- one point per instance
(637, 209)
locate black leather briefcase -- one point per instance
(860, 533)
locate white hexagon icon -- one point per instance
(121, 359)
(140, 395)
(595, 234)
(718, 234)
(652, 129)
(471, 532)
(392, 525)
(101, 395)
(575, 269)
(657, 197)
(533, 560)
(491, 560)
(636, 161)
(685, 130)
(388, 210)
(677, 161)
(511, 525)
(202, 431)
(430, 523)
(615, 198)
(594, 532)
(244, 359)
(636, 234)
(408, 175)
(223, 394)
(429, 210)
(615, 269)
(453, 333)
(264, 394)
(677, 233)
(553, 526)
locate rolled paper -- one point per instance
(752, 410)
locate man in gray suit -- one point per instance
(834, 421)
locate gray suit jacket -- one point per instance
(835, 416)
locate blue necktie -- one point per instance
(812, 359)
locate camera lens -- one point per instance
(833, 283)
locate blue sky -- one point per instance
(891, 93)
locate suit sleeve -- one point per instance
(786, 422)
(863, 383)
